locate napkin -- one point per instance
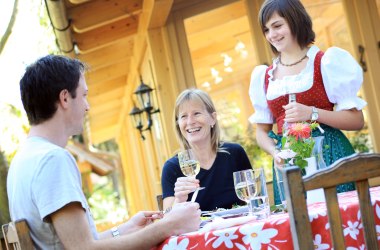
(220, 223)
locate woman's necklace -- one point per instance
(291, 64)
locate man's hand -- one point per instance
(140, 220)
(184, 217)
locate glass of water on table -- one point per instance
(250, 186)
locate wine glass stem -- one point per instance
(250, 207)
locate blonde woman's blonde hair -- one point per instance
(196, 95)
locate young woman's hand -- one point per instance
(297, 112)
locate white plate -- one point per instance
(238, 210)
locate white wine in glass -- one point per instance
(190, 166)
(188, 163)
(245, 186)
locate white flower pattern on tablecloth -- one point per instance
(318, 245)
(362, 247)
(351, 229)
(173, 245)
(377, 211)
(225, 236)
(255, 236)
(378, 232)
(315, 216)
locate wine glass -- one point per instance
(245, 186)
(189, 164)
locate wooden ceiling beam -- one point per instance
(103, 87)
(217, 17)
(208, 37)
(99, 108)
(107, 73)
(111, 54)
(107, 12)
(104, 120)
(102, 135)
(160, 13)
(106, 35)
(107, 96)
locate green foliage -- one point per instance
(297, 138)
(4, 210)
(106, 204)
(303, 148)
(360, 140)
(258, 157)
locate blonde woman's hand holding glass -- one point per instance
(183, 187)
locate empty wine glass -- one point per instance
(245, 186)
(189, 164)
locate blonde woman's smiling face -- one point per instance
(195, 121)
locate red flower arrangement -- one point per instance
(297, 143)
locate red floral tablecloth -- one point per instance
(274, 233)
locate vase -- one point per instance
(311, 167)
(318, 152)
(316, 195)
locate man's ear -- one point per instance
(63, 98)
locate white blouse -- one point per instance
(342, 77)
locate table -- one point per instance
(274, 233)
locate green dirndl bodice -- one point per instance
(339, 147)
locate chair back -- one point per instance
(17, 235)
(160, 204)
(357, 168)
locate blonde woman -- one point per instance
(197, 128)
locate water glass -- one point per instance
(260, 202)
(245, 186)
(280, 187)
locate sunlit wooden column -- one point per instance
(262, 50)
(166, 84)
(137, 181)
(363, 22)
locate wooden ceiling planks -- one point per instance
(95, 14)
(106, 35)
(114, 53)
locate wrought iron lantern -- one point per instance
(144, 96)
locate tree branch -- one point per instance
(8, 31)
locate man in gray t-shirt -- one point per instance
(44, 183)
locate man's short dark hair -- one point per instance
(42, 83)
